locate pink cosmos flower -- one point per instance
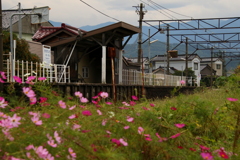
(182, 82)
(3, 75)
(109, 103)
(71, 108)
(72, 116)
(72, 153)
(46, 115)
(3, 103)
(36, 121)
(132, 103)
(7, 134)
(116, 141)
(57, 137)
(41, 152)
(145, 108)
(176, 135)
(125, 103)
(204, 148)
(206, 155)
(86, 113)
(152, 105)
(140, 130)
(62, 104)
(130, 119)
(83, 100)
(33, 100)
(180, 125)
(29, 147)
(17, 79)
(161, 139)
(124, 143)
(49, 157)
(134, 97)
(1, 81)
(126, 127)
(42, 78)
(42, 99)
(99, 112)
(232, 99)
(28, 92)
(52, 143)
(76, 127)
(104, 122)
(14, 120)
(223, 154)
(34, 114)
(148, 137)
(78, 94)
(30, 78)
(173, 108)
(104, 94)
(95, 97)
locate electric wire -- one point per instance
(155, 4)
(99, 11)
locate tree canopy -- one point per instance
(22, 48)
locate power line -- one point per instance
(99, 11)
(169, 9)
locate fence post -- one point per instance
(69, 80)
(22, 68)
(55, 72)
(64, 74)
(18, 70)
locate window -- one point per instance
(195, 66)
(85, 72)
(218, 66)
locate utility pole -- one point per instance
(141, 15)
(1, 44)
(168, 56)
(211, 66)
(19, 21)
(186, 61)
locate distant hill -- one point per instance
(159, 47)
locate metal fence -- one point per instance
(133, 77)
(54, 73)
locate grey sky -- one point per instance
(77, 14)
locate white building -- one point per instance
(179, 63)
(217, 64)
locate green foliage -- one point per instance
(210, 120)
(22, 49)
(189, 71)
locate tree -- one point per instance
(189, 71)
(22, 48)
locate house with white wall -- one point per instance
(179, 63)
(217, 64)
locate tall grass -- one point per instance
(204, 125)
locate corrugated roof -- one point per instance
(6, 15)
(208, 59)
(179, 58)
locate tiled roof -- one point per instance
(45, 31)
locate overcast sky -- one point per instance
(77, 13)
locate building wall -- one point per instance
(180, 65)
(218, 71)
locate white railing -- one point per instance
(137, 77)
(54, 73)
